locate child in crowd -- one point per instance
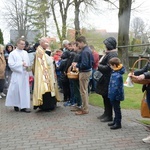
(116, 91)
(8, 49)
(2, 70)
(57, 59)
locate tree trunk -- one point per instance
(63, 12)
(55, 20)
(123, 33)
(76, 21)
(64, 28)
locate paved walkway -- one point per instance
(62, 130)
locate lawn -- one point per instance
(133, 96)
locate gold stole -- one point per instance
(43, 81)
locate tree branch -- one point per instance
(112, 3)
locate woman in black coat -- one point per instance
(102, 85)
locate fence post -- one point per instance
(139, 63)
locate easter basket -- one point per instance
(134, 78)
(72, 74)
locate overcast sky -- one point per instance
(107, 18)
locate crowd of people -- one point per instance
(36, 70)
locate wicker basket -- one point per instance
(134, 78)
(73, 75)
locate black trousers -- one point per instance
(2, 83)
(66, 90)
(107, 106)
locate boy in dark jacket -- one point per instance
(116, 91)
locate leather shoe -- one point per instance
(101, 117)
(116, 126)
(16, 108)
(25, 110)
(81, 112)
(111, 124)
(106, 119)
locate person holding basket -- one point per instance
(139, 76)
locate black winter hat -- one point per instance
(110, 43)
(65, 55)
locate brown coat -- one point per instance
(2, 66)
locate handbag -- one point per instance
(98, 76)
(145, 111)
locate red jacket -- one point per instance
(96, 59)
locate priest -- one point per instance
(44, 95)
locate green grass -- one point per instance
(133, 96)
(146, 122)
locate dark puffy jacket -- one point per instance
(102, 86)
(63, 66)
(116, 90)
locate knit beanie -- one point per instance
(110, 43)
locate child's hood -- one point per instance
(120, 69)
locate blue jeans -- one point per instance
(77, 93)
(72, 96)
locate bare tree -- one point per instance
(140, 34)
(17, 16)
(77, 3)
(63, 7)
(76, 20)
(137, 27)
(123, 33)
